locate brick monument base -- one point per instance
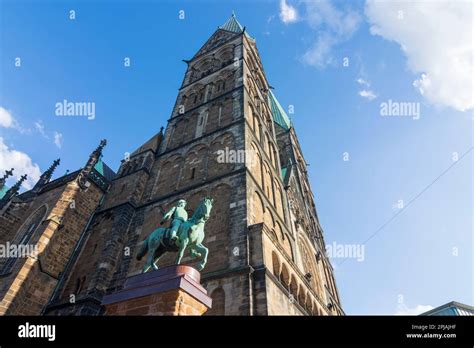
(174, 290)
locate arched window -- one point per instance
(25, 234)
(262, 137)
(285, 276)
(308, 304)
(276, 265)
(302, 297)
(32, 224)
(270, 152)
(250, 117)
(258, 128)
(258, 209)
(269, 124)
(294, 287)
(194, 169)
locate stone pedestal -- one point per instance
(174, 290)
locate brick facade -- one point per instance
(54, 218)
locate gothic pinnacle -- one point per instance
(8, 173)
(12, 191)
(91, 162)
(5, 177)
(49, 172)
(19, 182)
(95, 155)
(46, 176)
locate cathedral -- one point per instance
(266, 245)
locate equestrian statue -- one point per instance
(183, 233)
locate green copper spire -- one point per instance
(279, 115)
(232, 25)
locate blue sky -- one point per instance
(422, 54)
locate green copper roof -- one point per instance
(99, 166)
(279, 115)
(104, 170)
(3, 191)
(283, 172)
(232, 25)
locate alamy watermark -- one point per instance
(9, 250)
(402, 109)
(355, 251)
(28, 330)
(68, 108)
(228, 155)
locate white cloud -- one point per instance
(363, 82)
(57, 136)
(8, 121)
(6, 118)
(40, 128)
(58, 139)
(333, 27)
(21, 162)
(367, 93)
(436, 37)
(288, 13)
(319, 54)
(404, 310)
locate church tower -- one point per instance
(230, 139)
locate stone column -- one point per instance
(173, 290)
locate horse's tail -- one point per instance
(143, 250)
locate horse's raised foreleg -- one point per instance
(153, 242)
(182, 247)
(149, 262)
(201, 249)
(158, 254)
